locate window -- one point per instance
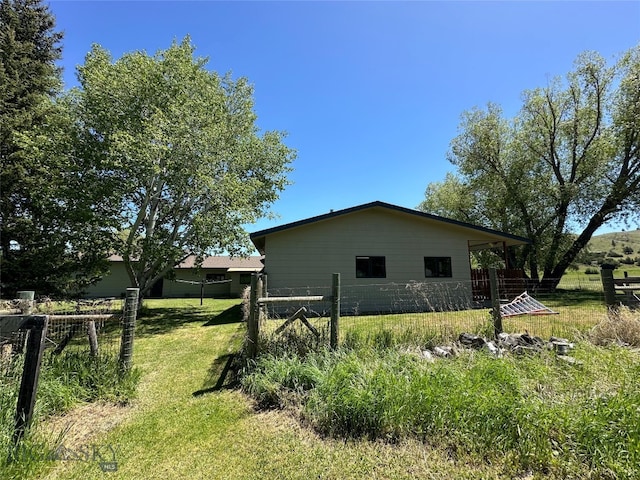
(437, 267)
(215, 277)
(245, 279)
(370, 267)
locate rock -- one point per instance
(471, 340)
(441, 352)
(493, 349)
(569, 360)
(427, 355)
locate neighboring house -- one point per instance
(375, 245)
(233, 274)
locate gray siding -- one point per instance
(306, 256)
(113, 284)
(116, 282)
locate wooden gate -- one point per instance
(511, 283)
(258, 298)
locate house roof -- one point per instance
(231, 264)
(258, 238)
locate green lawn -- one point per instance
(188, 423)
(182, 426)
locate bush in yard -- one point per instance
(627, 261)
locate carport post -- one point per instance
(495, 302)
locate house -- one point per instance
(374, 246)
(230, 275)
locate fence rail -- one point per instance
(426, 312)
(31, 336)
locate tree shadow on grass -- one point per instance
(222, 373)
(219, 377)
(163, 320)
(567, 298)
(230, 315)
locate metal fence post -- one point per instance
(335, 310)
(128, 328)
(252, 321)
(495, 302)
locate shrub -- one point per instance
(591, 271)
(610, 263)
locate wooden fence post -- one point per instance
(27, 300)
(93, 338)
(606, 274)
(495, 302)
(30, 374)
(252, 321)
(25, 304)
(128, 328)
(335, 311)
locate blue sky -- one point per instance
(370, 93)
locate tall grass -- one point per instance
(65, 380)
(544, 415)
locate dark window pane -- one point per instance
(437, 267)
(370, 267)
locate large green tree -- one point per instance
(44, 215)
(564, 166)
(191, 165)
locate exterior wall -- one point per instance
(116, 282)
(113, 284)
(239, 281)
(306, 256)
(174, 289)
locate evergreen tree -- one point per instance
(41, 205)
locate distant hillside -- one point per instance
(616, 241)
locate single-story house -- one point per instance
(373, 246)
(223, 277)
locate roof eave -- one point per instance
(258, 238)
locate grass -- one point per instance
(616, 241)
(189, 420)
(66, 380)
(174, 430)
(526, 415)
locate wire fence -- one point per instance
(427, 313)
(90, 326)
(79, 357)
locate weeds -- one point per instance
(621, 328)
(543, 415)
(65, 380)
